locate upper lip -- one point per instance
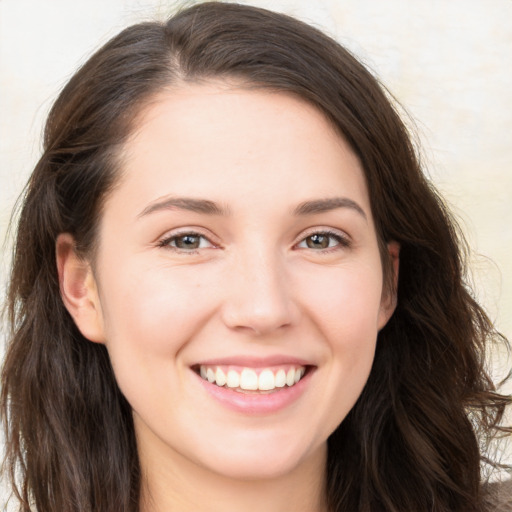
(255, 361)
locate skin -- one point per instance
(256, 286)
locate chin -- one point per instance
(262, 463)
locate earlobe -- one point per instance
(78, 289)
(389, 297)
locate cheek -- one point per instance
(153, 310)
(345, 310)
(345, 301)
(151, 314)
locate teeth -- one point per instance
(233, 380)
(220, 378)
(280, 380)
(266, 380)
(249, 380)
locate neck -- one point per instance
(179, 484)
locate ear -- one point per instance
(78, 289)
(389, 297)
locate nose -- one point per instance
(259, 295)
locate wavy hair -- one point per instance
(412, 442)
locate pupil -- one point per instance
(187, 242)
(318, 242)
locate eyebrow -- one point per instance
(326, 205)
(186, 203)
(208, 207)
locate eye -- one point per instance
(186, 242)
(323, 240)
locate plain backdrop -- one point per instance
(447, 61)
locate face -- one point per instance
(238, 284)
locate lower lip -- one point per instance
(254, 403)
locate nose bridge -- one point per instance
(259, 298)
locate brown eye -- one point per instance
(324, 240)
(187, 241)
(318, 241)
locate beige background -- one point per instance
(449, 62)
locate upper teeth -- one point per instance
(249, 379)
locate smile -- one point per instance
(252, 379)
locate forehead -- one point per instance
(223, 142)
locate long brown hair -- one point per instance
(411, 442)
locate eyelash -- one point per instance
(342, 241)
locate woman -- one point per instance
(234, 288)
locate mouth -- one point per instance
(250, 380)
(255, 385)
